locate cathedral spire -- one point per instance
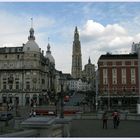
(31, 36)
(76, 30)
(76, 56)
(89, 61)
(31, 22)
(76, 34)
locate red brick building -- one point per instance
(118, 79)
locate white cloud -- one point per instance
(92, 28)
(118, 42)
(110, 36)
(114, 29)
(98, 39)
(15, 29)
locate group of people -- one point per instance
(116, 119)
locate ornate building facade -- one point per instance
(25, 73)
(76, 56)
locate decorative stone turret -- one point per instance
(31, 45)
(48, 54)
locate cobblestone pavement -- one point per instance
(93, 128)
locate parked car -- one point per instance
(4, 116)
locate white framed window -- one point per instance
(105, 72)
(105, 81)
(105, 76)
(114, 76)
(132, 71)
(114, 72)
(123, 75)
(124, 80)
(133, 78)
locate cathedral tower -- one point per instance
(76, 56)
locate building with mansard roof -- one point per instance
(26, 74)
(118, 80)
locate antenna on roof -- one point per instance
(31, 22)
(48, 39)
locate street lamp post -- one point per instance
(62, 103)
(96, 91)
(138, 103)
(108, 97)
(61, 97)
(108, 91)
(56, 100)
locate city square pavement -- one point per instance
(93, 128)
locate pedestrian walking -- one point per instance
(116, 119)
(105, 118)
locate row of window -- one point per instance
(124, 89)
(123, 81)
(123, 63)
(123, 76)
(11, 86)
(123, 71)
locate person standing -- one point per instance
(116, 119)
(105, 118)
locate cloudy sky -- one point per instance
(103, 27)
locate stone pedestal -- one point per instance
(49, 126)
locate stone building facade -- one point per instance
(118, 79)
(26, 74)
